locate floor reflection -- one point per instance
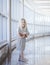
(36, 53)
(7, 61)
(13, 58)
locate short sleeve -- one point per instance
(19, 30)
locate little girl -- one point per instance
(23, 34)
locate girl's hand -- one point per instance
(23, 36)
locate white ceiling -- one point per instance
(41, 6)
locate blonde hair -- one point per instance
(24, 22)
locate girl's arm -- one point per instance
(22, 35)
(26, 35)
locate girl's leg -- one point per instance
(22, 49)
(22, 58)
(21, 55)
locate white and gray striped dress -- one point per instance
(22, 41)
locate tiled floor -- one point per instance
(37, 52)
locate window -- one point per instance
(28, 14)
(5, 7)
(1, 5)
(1, 29)
(4, 28)
(3, 20)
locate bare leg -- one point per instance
(21, 58)
(22, 55)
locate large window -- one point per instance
(14, 27)
(16, 15)
(3, 20)
(28, 15)
(4, 28)
(1, 6)
(41, 23)
(1, 37)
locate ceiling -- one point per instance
(40, 6)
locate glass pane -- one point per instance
(1, 38)
(31, 29)
(1, 5)
(28, 15)
(4, 7)
(15, 28)
(12, 28)
(18, 10)
(12, 8)
(4, 28)
(15, 9)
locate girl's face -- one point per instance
(23, 23)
